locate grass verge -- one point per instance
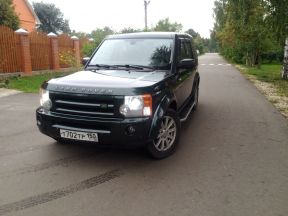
(268, 80)
(31, 84)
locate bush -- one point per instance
(68, 58)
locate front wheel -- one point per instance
(167, 138)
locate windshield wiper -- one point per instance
(102, 66)
(132, 66)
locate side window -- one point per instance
(183, 50)
(189, 50)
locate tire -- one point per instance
(196, 96)
(165, 142)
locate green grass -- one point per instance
(270, 73)
(31, 84)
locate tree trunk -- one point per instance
(285, 62)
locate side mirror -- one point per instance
(85, 60)
(187, 63)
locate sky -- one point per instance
(87, 15)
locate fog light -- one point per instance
(130, 130)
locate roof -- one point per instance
(148, 35)
(37, 21)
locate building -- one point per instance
(28, 18)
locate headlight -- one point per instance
(137, 106)
(45, 101)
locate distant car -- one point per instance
(136, 89)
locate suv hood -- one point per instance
(107, 79)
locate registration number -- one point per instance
(77, 135)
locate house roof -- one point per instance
(38, 22)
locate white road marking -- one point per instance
(216, 64)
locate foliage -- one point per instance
(277, 18)
(88, 49)
(129, 30)
(99, 34)
(79, 34)
(201, 44)
(165, 25)
(246, 31)
(51, 17)
(8, 16)
(68, 58)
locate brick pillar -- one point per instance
(54, 51)
(76, 48)
(24, 42)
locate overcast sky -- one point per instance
(87, 15)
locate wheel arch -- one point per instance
(167, 102)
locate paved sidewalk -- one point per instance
(6, 92)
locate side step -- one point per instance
(187, 110)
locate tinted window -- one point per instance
(183, 51)
(146, 52)
(189, 49)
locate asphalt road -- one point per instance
(232, 161)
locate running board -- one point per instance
(188, 113)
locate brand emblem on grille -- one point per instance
(82, 90)
(103, 106)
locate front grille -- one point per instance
(86, 105)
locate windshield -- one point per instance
(154, 52)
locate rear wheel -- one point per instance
(167, 137)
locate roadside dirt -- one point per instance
(280, 102)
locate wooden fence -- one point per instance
(21, 51)
(66, 49)
(10, 58)
(40, 51)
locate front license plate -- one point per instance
(77, 135)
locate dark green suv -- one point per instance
(136, 89)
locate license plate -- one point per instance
(77, 135)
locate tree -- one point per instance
(201, 44)
(8, 16)
(241, 30)
(51, 17)
(277, 18)
(193, 33)
(97, 35)
(129, 30)
(165, 25)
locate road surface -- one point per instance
(232, 161)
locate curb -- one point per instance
(7, 92)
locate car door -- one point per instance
(184, 75)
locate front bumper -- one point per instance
(110, 131)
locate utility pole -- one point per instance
(146, 3)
